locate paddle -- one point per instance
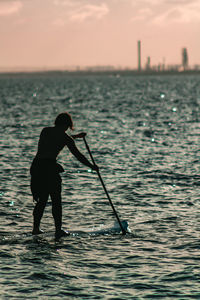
(104, 187)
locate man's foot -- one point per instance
(37, 231)
(60, 233)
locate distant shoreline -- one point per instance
(99, 72)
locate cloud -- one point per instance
(8, 8)
(162, 2)
(164, 12)
(69, 3)
(182, 2)
(79, 11)
(142, 14)
(188, 13)
(89, 11)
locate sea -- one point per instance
(143, 132)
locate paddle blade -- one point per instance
(124, 224)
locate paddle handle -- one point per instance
(104, 187)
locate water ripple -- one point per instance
(144, 135)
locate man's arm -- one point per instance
(79, 156)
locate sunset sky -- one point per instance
(65, 33)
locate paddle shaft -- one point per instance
(104, 187)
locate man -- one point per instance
(45, 177)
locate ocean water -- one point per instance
(144, 134)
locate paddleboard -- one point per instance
(116, 229)
(23, 237)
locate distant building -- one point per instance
(184, 59)
(163, 64)
(148, 63)
(139, 56)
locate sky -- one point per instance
(66, 33)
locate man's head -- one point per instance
(64, 120)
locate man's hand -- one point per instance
(82, 134)
(79, 135)
(95, 168)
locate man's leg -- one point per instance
(57, 212)
(38, 213)
(57, 209)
